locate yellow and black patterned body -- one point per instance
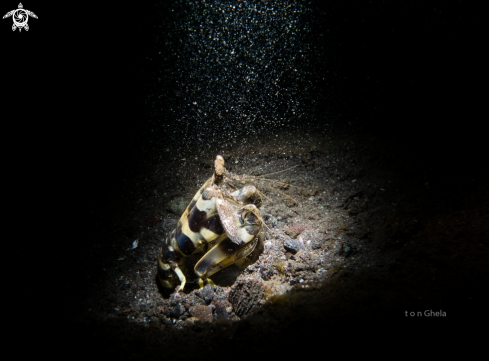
(222, 225)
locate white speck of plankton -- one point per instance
(135, 243)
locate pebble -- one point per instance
(201, 312)
(221, 313)
(177, 311)
(246, 294)
(293, 246)
(207, 293)
(316, 245)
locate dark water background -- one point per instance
(193, 73)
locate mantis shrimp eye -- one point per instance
(249, 218)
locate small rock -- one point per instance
(221, 313)
(177, 311)
(316, 245)
(221, 303)
(207, 293)
(291, 233)
(293, 246)
(246, 294)
(201, 312)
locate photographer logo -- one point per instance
(20, 17)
